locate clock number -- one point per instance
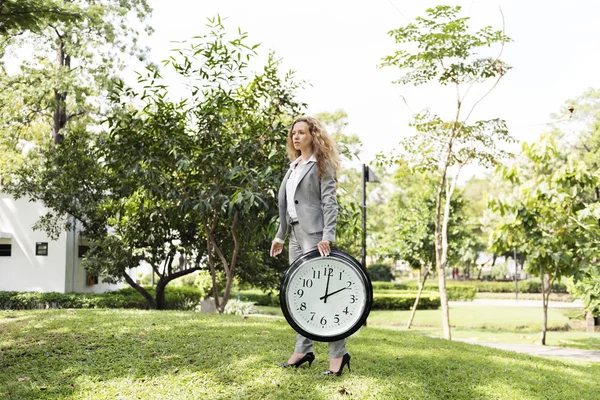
(313, 315)
(352, 299)
(336, 319)
(345, 310)
(303, 306)
(307, 283)
(323, 321)
(340, 275)
(300, 292)
(328, 271)
(349, 285)
(316, 274)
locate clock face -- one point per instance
(326, 298)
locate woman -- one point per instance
(308, 214)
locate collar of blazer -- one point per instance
(297, 160)
(309, 164)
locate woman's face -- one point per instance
(301, 137)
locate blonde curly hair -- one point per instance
(324, 148)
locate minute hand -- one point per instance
(332, 293)
(324, 298)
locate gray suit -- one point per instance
(317, 210)
(316, 204)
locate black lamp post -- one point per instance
(367, 176)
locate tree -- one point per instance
(18, 17)
(78, 49)
(475, 192)
(380, 212)
(447, 54)
(180, 184)
(411, 224)
(349, 226)
(23, 17)
(586, 287)
(548, 219)
(380, 273)
(578, 127)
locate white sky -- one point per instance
(336, 46)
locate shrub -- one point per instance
(203, 281)
(381, 301)
(405, 301)
(498, 271)
(377, 286)
(188, 280)
(461, 293)
(455, 293)
(380, 273)
(535, 286)
(238, 307)
(176, 298)
(525, 286)
(183, 298)
(144, 278)
(270, 299)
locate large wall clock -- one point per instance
(326, 298)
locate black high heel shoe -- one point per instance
(308, 357)
(345, 360)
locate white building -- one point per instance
(31, 261)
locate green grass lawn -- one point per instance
(491, 324)
(566, 297)
(497, 324)
(495, 318)
(123, 354)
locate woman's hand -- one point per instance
(276, 248)
(324, 248)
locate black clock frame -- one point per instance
(348, 259)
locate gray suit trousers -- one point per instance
(300, 243)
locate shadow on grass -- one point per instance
(440, 369)
(129, 354)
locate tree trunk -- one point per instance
(414, 308)
(160, 294)
(597, 198)
(211, 261)
(442, 258)
(60, 98)
(544, 306)
(442, 283)
(230, 269)
(441, 228)
(439, 267)
(164, 280)
(142, 291)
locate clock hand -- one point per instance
(332, 293)
(324, 298)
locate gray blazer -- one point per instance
(316, 204)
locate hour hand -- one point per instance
(332, 293)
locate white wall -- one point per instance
(24, 271)
(60, 271)
(77, 278)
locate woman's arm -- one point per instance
(329, 205)
(282, 230)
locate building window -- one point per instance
(82, 250)
(92, 280)
(5, 250)
(41, 249)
